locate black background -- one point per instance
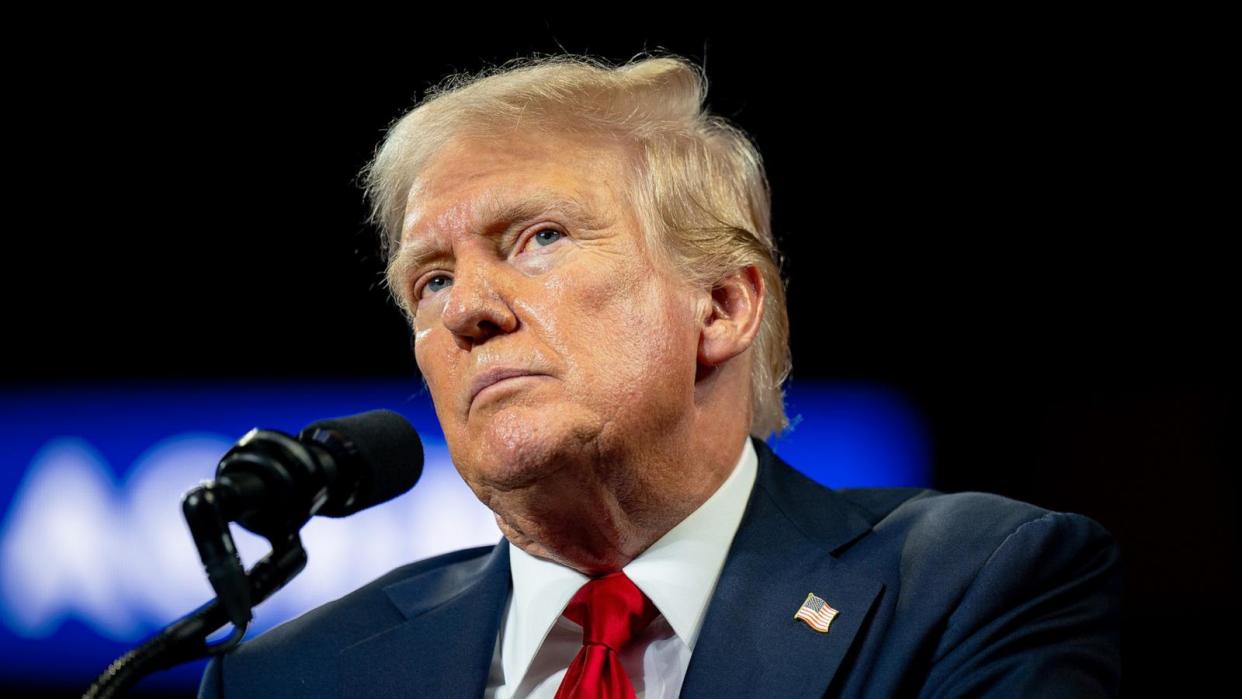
(1022, 223)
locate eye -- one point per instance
(434, 283)
(545, 237)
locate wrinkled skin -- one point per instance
(637, 400)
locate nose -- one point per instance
(477, 308)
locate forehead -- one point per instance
(472, 182)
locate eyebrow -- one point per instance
(496, 217)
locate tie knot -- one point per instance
(611, 610)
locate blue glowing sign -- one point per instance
(94, 554)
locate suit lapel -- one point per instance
(445, 646)
(781, 552)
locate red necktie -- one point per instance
(612, 611)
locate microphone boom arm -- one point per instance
(271, 484)
(186, 639)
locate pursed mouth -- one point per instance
(499, 377)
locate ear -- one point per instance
(731, 323)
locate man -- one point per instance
(586, 261)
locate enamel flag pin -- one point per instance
(816, 613)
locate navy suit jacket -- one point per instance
(938, 596)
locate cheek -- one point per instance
(436, 359)
(624, 329)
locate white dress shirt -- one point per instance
(678, 572)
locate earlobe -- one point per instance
(733, 317)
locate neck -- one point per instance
(607, 505)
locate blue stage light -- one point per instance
(94, 554)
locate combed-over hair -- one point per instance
(698, 183)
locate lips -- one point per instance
(495, 375)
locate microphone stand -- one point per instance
(271, 484)
(186, 639)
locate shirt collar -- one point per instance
(678, 572)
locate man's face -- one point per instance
(544, 327)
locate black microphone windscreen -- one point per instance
(391, 456)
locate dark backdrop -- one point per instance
(1017, 222)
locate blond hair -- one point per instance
(698, 183)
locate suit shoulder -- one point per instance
(877, 503)
(305, 647)
(969, 527)
(982, 512)
(982, 509)
(1042, 598)
(362, 606)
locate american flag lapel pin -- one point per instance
(816, 613)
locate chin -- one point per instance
(520, 446)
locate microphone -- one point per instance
(272, 483)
